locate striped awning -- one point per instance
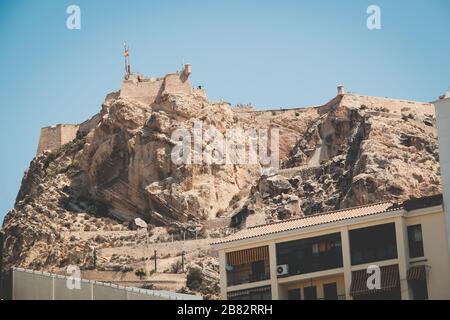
(390, 279)
(233, 294)
(417, 273)
(248, 256)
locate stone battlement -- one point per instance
(149, 90)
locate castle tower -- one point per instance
(53, 137)
(340, 89)
(187, 70)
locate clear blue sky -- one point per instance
(269, 53)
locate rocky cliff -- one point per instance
(351, 151)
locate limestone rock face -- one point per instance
(361, 150)
(354, 150)
(274, 185)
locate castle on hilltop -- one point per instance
(134, 87)
(149, 91)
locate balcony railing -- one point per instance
(329, 261)
(234, 280)
(339, 297)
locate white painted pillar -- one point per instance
(273, 271)
(442, 107)
(223, 274)
(346, 262)
(403, 256)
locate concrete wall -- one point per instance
(62, 293)
(436, 253)
(443, 123)
(34, 285)
(29, 286)
(54, 137)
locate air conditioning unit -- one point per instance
(282, 270)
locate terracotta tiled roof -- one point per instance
(309, 221)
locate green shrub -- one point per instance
(176, 267)
(127, 269)
(140, 273)
(50, 158)
(194, 278)
(148, 286)
(73, 168)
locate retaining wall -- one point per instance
(36, 285)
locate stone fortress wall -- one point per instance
(149, 90)
(53, 137)
(145, 90)
(135, 87)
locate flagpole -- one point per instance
(125, 57)
(128, 59)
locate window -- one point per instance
(419, 289)
(294, 294)
(372, 244)
(415, 241)
(258, 270)
(311, 254)
(330, 291)
(245, 266)
(310, 293)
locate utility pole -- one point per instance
(182, 260)
(155, 259)
(95, 258)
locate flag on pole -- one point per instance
(126, 49)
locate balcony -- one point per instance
(372, 244)
(247, 266)
(310, 255)
(234, 279)
(321, 288)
